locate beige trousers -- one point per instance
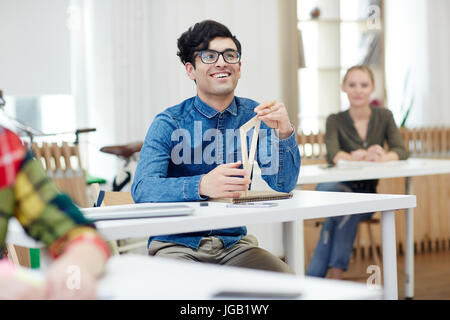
(245, 253)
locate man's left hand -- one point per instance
(275, 116)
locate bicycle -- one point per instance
(129, 153)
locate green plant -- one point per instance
(408, 100)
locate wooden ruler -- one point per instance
(248, 159)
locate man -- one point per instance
(188, 151)
(27, 194)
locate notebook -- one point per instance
(254, 195)
(247, 163)
(136, 211)
(364, 164)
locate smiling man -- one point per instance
(190, 154)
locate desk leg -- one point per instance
(294, 246)
(409, 247)
(389, 255)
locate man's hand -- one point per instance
(275, 116)
(224, 181)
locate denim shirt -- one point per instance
(189, 140)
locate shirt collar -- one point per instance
(209, 111)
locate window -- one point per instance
(50, 114)
(336, 35)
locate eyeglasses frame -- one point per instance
(219, 53)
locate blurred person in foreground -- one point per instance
(49, 216)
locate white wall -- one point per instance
(34, 47)
(438, 110)
(417, 39)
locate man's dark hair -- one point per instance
(198, 37)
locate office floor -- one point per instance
(432, 275)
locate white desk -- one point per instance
(311, 174)
(304, 205)
(141, 277)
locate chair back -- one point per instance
(114, 198)
(63, 165)
(312, 147)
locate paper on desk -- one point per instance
(362, 164)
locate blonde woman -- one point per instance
(357, 134)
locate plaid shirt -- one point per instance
(29, 195)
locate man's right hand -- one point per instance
(224, 181)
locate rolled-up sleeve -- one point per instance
(332, 138)
(281, 169)
(394, 139)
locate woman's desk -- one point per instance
(318, 173)
(140, 277)
(303, 205)
(311, 174)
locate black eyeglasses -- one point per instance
(211, 56)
